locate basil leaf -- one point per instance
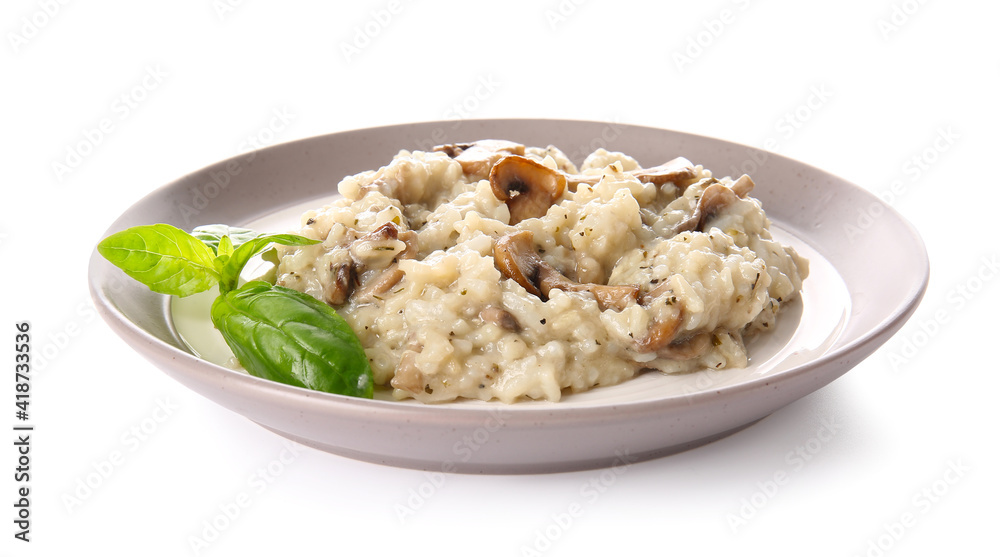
(225, 246)
(231, 270)
(164, 258)
(284, 335)
(271, 274)
(212, 234)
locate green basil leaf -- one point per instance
(231, 270)
(212, 234)
(225, 246)
(271, 256)
(225, 251)
(271, 274)
(164, 258)
(286, 336)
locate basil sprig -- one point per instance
(276, 333)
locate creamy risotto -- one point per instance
(493, 270)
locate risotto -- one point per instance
(493, 270)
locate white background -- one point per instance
(882, 92)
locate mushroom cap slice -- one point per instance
(478, 157)
(661, 333)
(676, 170)
(500, 317)
(348, 277)
(517, 259)
(344, 279)
(715, 198)
(742, 186)
(528, 187)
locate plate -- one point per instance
(845, 313)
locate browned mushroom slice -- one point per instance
(655, 293)
(501, 318)
(713, 199)
(528, 187)
(344, 278)
(388, 231)
(742, 186)
(686, 349)
(452, 149)
(477, 158)
(676, 170)
(407, 376)
(517, 259)
(382, 282)
(660, 334)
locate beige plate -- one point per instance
(848, 309)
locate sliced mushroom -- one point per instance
(742, 186)
(501, 318)
(660, 333)
(380, 284)
(392, 274)
(378, 247)
(477, 158)
(347, 276)
(407, 376)
(528, 187)
(715, 198)
(686, 349)
(344, 280)
(676, 170)
(516, 258)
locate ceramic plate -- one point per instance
(846, 311)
